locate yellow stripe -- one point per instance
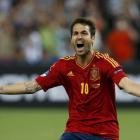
(108, 58)
(117, 64)
(111, 61)
(99, 55)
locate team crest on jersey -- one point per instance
(94, 73)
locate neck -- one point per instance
(85, 59)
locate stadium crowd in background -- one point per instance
(36, 30)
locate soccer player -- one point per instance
(88, 78)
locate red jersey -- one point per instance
(91, 92)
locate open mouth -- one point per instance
(80, 45)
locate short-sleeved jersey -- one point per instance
(91, 92)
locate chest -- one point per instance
(84, 79)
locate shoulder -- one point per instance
(106, 59)
(67, 58)
(63, 61)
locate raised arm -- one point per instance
(20, 88)
(129, 86)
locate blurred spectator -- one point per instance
(133, 12)
(115, 7)
(7, 41)
(30, 43)
(52, 18)
(120, 41)
(99, 41)
(23, 13)
(49, 44)
(62, 37)
(73, 9)
(5, 6)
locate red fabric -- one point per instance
(121, 46)
(91, 92)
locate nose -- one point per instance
(79, 36)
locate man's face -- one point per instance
(81, 39)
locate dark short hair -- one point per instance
(84, 21)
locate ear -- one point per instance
(93, 37)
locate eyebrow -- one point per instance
(83, 31)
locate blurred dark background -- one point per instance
(36, 32)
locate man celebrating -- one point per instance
(88, 78)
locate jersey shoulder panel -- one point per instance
(107, 59)
(64, 63)
(67, 58)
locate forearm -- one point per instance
(133, 89)
(20, 88)
(130, 87)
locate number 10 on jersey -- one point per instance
(84, 88)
